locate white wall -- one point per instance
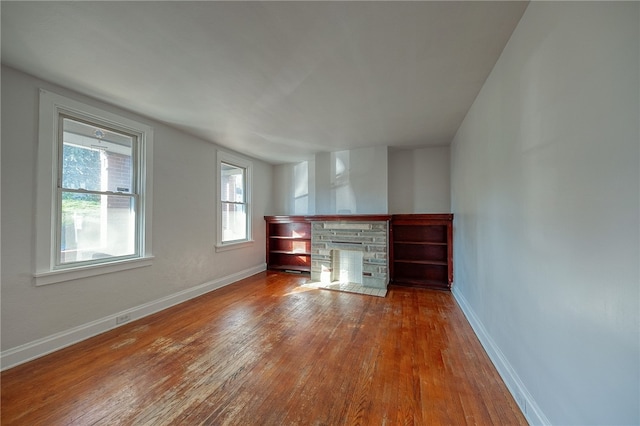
(351, 182)
(294, 188)
(380, 180)
(284, 181)
(419, 180)
(545, 192)
(184, 224)
(342, 182)
(368, 180)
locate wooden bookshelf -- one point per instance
(288, 243)
(421, 250)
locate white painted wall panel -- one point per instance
(545, 192)
(380, 180)
(419, 180)
(352, 181)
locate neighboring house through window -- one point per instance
(94, 191)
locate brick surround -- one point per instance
(369, 238)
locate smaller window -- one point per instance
(234, 223)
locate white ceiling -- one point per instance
(277, 80)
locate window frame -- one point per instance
(236, 161)
(53, 108)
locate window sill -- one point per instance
(52, 277)
(233, 246)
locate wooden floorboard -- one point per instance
(265, 351)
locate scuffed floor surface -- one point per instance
(266, 351)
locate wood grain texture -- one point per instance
(265, 351)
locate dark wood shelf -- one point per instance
(421, 252)
(295, 253)
(421, 243)
(297, 268)
(422, 262)
(405, 282)
(288, 243)
(279, 237)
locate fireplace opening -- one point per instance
(346, 267)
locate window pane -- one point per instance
(96, 159)
(234, 222)
(96, 227)
(232, 181)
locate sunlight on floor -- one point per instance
(348, 287)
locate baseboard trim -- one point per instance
(525, 401)
(38, 348)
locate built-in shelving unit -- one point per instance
(421, 250)
(288, 243)
(420, 246)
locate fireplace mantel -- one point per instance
(349, 218)
(331, 218)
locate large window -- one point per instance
(234, 224)
(97, 194)
(94, 196)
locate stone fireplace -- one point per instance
(350, 250)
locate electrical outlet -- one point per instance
(122, 319)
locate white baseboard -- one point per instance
(37, 348)
(523, 398)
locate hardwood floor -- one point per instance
(265, 351)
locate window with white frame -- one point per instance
(94, 191)
(234, 223)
